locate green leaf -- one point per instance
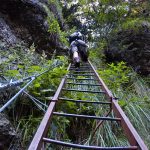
(36, 67)
(20, 66)
(12, 73)
(122, 103)
(37, 85)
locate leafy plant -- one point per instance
(115, 75)
(27, 128)
(132, 24)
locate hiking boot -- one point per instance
(76, 62)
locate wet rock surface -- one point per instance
(26, 20)
(7, 132)
(6, 33)
(132, 47)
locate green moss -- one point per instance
(132, 24)
(53, 26)
(115, 75)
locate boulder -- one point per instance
(26, 20)
(132, 47)
(7, 132)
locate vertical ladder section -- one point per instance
(86, 76)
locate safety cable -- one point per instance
(38, 105)
(12, 84)
(36, 101)
(22, 89)
(16, 95)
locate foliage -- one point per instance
(27, 127)
(96, 52)
(53, 26)
(134, 24)
(102, 19)
(135, 101)
(69, 12)
(133, 94)
(115, 75)
(19, 63)
(53, 22)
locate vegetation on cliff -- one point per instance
(118, 36)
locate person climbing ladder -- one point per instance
(78, 48)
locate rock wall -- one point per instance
(7, 133)
(26, 20)
(132, 47)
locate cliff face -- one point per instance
(132, 47)
(7, 132)
(26, 20)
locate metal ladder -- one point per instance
(87, 76)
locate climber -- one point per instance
(78, 48)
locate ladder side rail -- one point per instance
(129, 130)
(37, 141)
(104, 87)
(78, 146)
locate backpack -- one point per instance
(75, 36)
(83, 52)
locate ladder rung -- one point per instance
(41, 138)
(84, 84)
(47, 90)
(84, 101)
(75, 90)
(82, 74)
(87, 66)
(83, 71)
(80, 67)
(86, 116)
(47, 140)
(81, 79)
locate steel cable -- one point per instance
(36, 101)
(32, 78)
(16, 95)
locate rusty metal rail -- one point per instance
(94, 81)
